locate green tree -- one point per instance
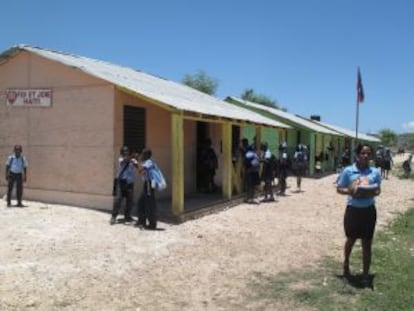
(251, 96)
(406, 141)
(388, 137)
(201, 82)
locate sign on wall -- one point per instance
(2, 98)
(29, 97)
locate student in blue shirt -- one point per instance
(268, 176)
(252, 165)
(124, 187)
(16, 172)
(147, 207)
(361, 183)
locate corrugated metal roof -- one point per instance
(164, 91)
(288, 116)
(347, 132)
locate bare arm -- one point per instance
(352, 192)
(346, 191)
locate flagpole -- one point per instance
(359, 100)
(356, 122)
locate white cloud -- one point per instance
(409, 126)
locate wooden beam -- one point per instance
(147, 98)
(258, 130)
(177, 163)
(227, 185)
(312, 149)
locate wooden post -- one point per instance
(258, 131)
(312, 149)
(227, 185)
(177, 163)
(323, 164)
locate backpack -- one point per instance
(284, 160)
(300, 157)
(157, 178)
(273, 163)
(407, 165)
(387, 156)
(251, 160)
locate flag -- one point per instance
(360, 89)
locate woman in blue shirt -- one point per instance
(361, 183)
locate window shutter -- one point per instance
(134, 128)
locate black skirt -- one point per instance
(359, 223)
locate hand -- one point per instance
(24, 178)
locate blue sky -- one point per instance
(302, 53)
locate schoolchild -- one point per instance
(124, 185)
(147, 207)
(282, 168)
(209, 163)
(300, 160)
(16, 173)
(267, 160)
(407, 166)
(388, 162)
(252, 166)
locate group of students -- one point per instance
(128, 167)
(263, 166)
(123, 188)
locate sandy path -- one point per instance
(56, 257)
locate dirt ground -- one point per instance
(55, 257)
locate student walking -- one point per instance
(300, 161)
(388, 162)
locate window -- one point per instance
(134, 128)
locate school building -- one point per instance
(72, 114)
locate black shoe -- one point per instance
(8, 204)
(139, 225)
(129, 219)
(19, 205)
(112, 221)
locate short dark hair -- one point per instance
(124, 149)
(146, 154)
(359, 147)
